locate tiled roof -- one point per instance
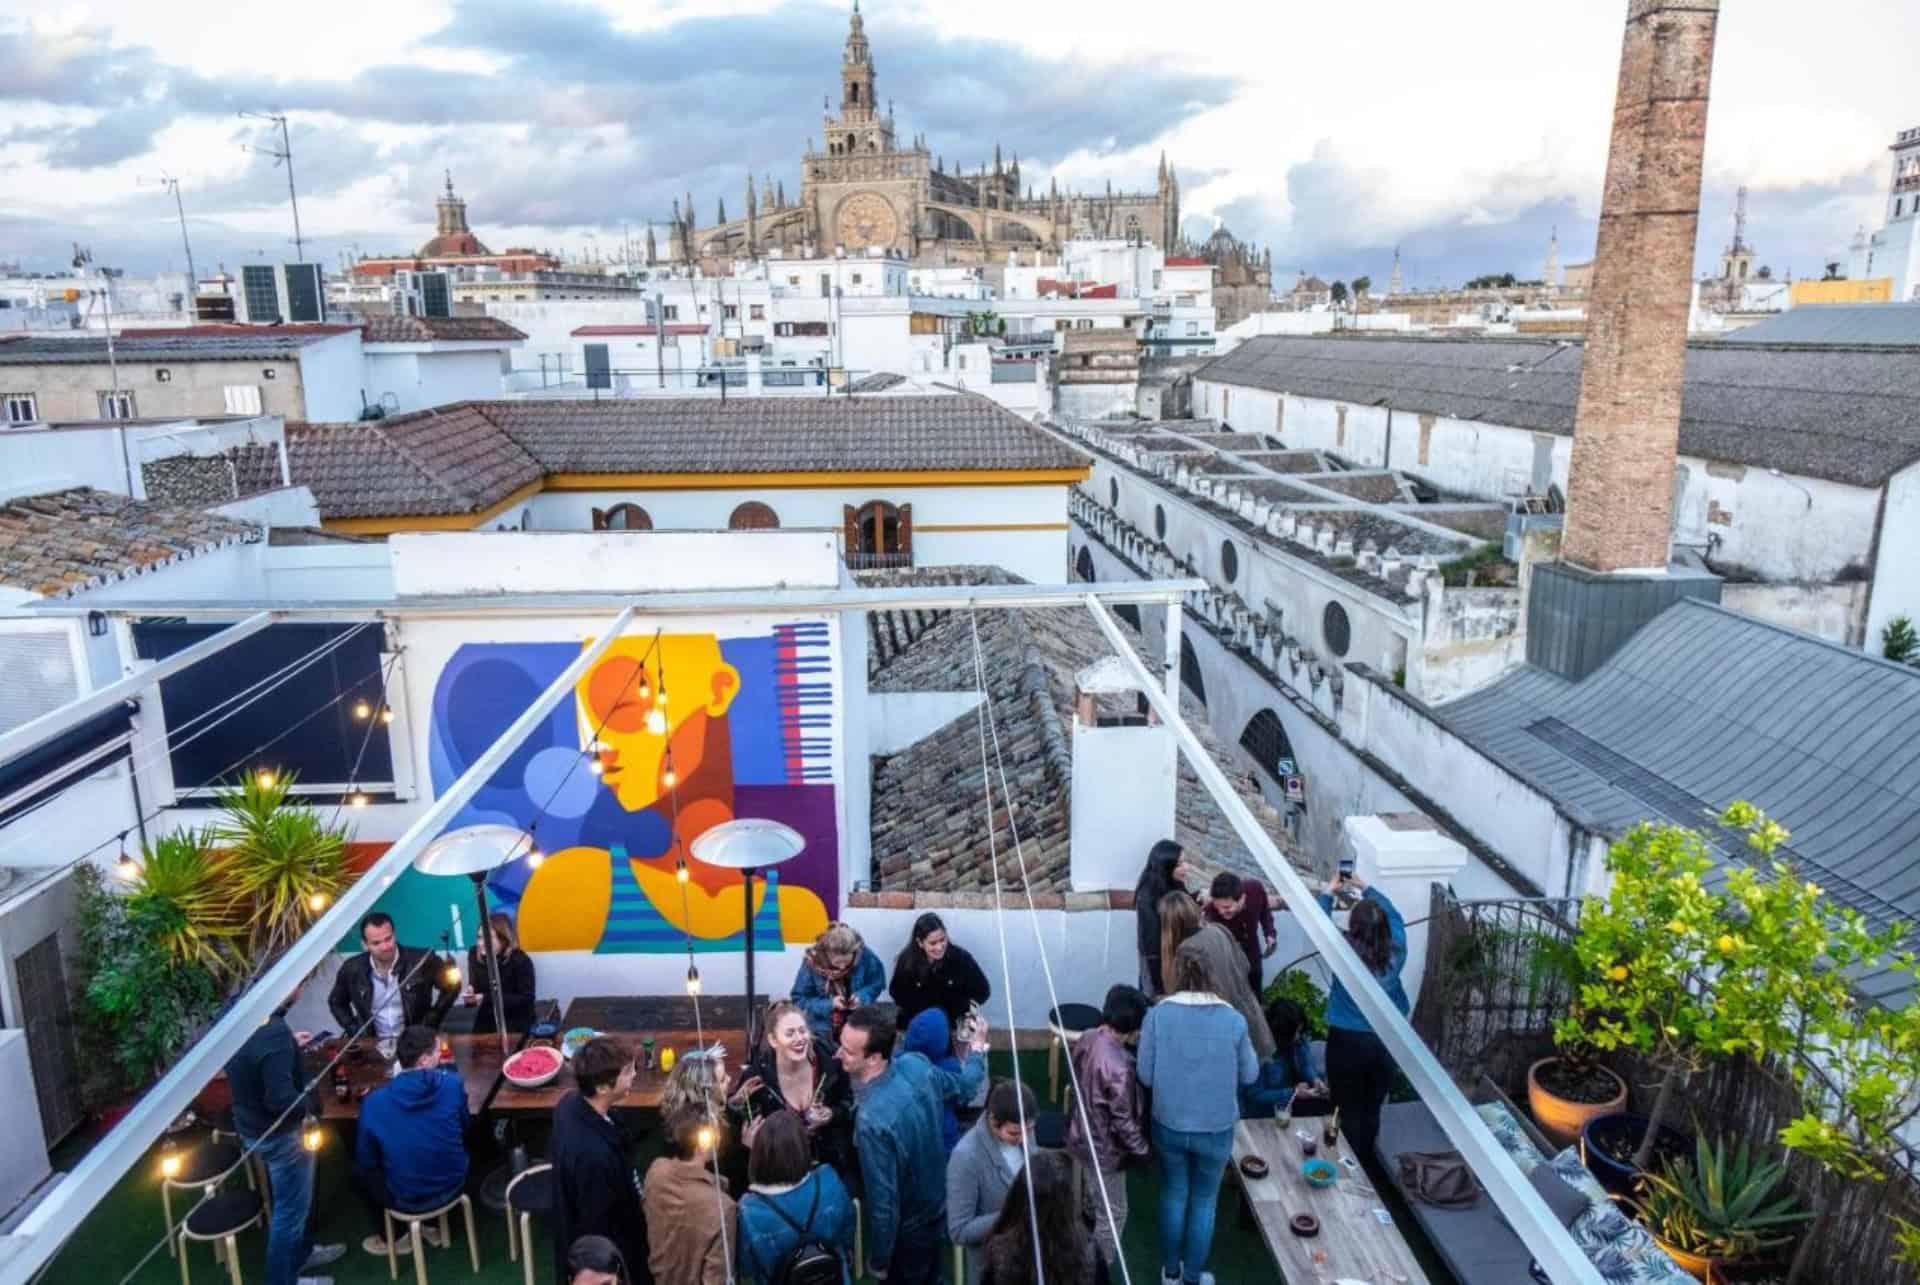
(263, 345)
(199, 481)
(1845, 414)
(451, 460)
(636, 328)
(465, 457)
(420, 330)
(929, 800)
(1836, 323)
(1705, 706)
(63, 541)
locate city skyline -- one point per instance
(1312, 133)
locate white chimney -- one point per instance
(1124, 777)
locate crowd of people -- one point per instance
(853, 1110)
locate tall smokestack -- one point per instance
(1627, 430)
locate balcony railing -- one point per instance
(879, 561)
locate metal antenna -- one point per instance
(172, 184)
(285, 153)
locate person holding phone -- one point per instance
(792, 1071)
(1360, 1070)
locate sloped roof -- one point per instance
(450, 460)
(928, 807)
(1705, 706)
(63, 541)
(1845, 414)
(468, 456)
(418, 330)
(1836, 323)
(266, 345)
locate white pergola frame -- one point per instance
(40, 1235)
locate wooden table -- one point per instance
(476, 1057)
(630, 1019)
(1353, 1243)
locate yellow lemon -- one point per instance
(1677, 927)
(1726, 944)
(1618, 972)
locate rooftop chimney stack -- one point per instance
(1627, 429)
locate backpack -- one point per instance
(812, 1261)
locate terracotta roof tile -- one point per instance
(451, 460)
(420, 330)
(63, 541)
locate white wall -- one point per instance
(899, 720)
(330, 376)
(470, 562)
(1784, 527)
(424, 377)
(283, 507)
(1896, 574)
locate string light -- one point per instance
(356, 800)
(593, 764)
(317, 901)
(680, 872)
(452, 975)
(126, 867)
(362, 710)
(656, 721)
(704, 1137)
(386, 715)
(265, 778)
(668, 778)
(170, 1160)
(693, 980)
(312, 1136)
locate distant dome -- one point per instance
(456, 243)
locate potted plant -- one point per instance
(1572, 1087)
(283, 863)
(1721, 1208)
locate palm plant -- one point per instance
(178, 890)
(283, 862)
(1721, 1204)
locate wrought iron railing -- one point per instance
(879, 561)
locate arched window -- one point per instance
(878, 534)
(753, 516)
(1190, 671)
(622, 517)
(1266, 740)
(1083, 565)
(1128, 612)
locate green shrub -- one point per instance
(1304, 991)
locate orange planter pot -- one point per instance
(1561, 1119)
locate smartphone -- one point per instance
(1346, 867)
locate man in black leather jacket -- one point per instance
(390, 984)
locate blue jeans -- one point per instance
(1191, 1168)
(290, 1169)
(919, 1256)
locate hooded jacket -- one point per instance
(413, 1133)
(1116, 1108)
(1227, 968)
(814, 993)
(687, 1216)
(931, 1037)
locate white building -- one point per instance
(1894, 251)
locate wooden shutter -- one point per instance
(906, 529)
(850, 529)
(599, 519)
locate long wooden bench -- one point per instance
(1358, 1239)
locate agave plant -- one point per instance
(1721, 1204)
(283, 861)
(179, 893)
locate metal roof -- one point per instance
(1705, 706)
(1845, 414)
(1836, 323)
(92, 351)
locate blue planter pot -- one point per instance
(1607, 1136)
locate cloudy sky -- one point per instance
(1461, 132)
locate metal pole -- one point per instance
(193, 278)
(485, 941)
(1515, 1198)
(286, 148)
(748, 885)
(38, 1237)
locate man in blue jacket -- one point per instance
(269, 1105)
(412, 1150)
(903, 1158)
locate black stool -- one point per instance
(203, 1164)
(1068, 1022)
(530, 1193)
(220, 1218)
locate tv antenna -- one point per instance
(284, 153)
(172, 184)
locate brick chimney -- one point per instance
(1627, 429)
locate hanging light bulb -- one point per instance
(362, 710)
(317, 901)
(126, 868)
(451, 976)
(680, 872)
(594, 765)
(704, 1137)
(534, 859)
(386, 715)
(660, 697)
(668, 778)
(357, 800)
(170, 1160)
(265, 778)
(656, 721)
(643, 691)
(693, 980)
(312, 1136)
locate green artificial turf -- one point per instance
(129, 1223)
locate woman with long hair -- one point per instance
(838, 974)
(790, 1072)
(1185, 932)
(1166, 871)
(516, 978)
(1065, 1256)
(933, 971)
(1360, 1070)
(1196, 1057)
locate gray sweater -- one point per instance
(977, 1183)
(1195, 1056)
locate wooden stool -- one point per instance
(959, 1265)
(1068, 1022)
(205, 1166)
(412, 1221)
(530, 1193)
(859, 1241)
(219, 1218)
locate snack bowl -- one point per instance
(533, 1068)
(1319, 1172)
(1253, 1167)
(571, 1042)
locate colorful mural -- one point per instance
(687, 731)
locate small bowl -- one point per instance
(1318, 1172)
(1304, 1225)
(1253, 1167)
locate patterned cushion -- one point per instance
(1507, 1131)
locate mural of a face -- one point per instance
(687, 690)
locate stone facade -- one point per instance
(1627, 427)
(866, 191)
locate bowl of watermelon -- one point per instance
(533, 1068)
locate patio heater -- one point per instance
(476, 851)
(749, 844)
